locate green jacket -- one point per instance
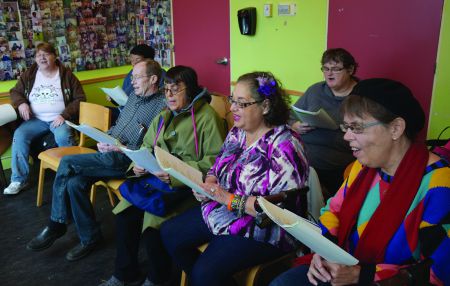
(177, 137)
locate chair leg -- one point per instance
(40, 189)
(111, 197)
(93, 193)
(183, 281)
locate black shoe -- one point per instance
(44, 239)
(81, 251)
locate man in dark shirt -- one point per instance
(76, 173)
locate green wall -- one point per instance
(440, 102)
(288, 46)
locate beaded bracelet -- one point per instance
(241, 210)
(229, 203)
(235, 202)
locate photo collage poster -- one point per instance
(155, 29)
(88, 34)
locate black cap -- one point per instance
(395, 97)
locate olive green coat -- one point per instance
(177, 137)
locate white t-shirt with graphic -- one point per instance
(46, 98)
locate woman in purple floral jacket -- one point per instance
(261, 156)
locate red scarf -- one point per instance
(391, 212)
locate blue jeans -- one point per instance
(295, 277)
(75, 175)
(224, 256)
(24, 134)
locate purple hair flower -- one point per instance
(266, 86)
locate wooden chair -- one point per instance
(221, 105)
(111, 186)
(94, 115)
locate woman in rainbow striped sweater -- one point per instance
(393, 210)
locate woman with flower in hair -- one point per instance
(261, 156)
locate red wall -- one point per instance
(201, 36)
(397, 39)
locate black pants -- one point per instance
(129, 233)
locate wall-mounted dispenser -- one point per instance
(247, 20)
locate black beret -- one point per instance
(395, 97)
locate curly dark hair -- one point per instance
(279, 101)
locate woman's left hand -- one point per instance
(59, 120)
(342, 274)
(218, 193)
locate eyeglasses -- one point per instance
(134, 78)
(332, 69)
(358, 128)
(242, 104)
(173, 90)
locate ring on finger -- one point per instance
(213, 190)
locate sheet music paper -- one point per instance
(117, 93)
(94, 133)
(143, 158)
(308, 233)
(186, 174)
(320, 118)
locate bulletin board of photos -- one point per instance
(88, 34)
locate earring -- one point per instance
(394, 138)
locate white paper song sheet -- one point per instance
(186, 174)
(117, 94)
(143, 158)
(7, 114)
(308, 233)
(94, 133)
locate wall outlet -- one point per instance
(268, 10)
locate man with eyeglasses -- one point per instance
(139, 53)
(76, 173)
(326, 149)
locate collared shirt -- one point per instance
(135, 119)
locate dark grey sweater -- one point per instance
(326, 149)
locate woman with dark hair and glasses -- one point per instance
(393, 211)
(327, 152)
(191, 130)
(261, 156)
